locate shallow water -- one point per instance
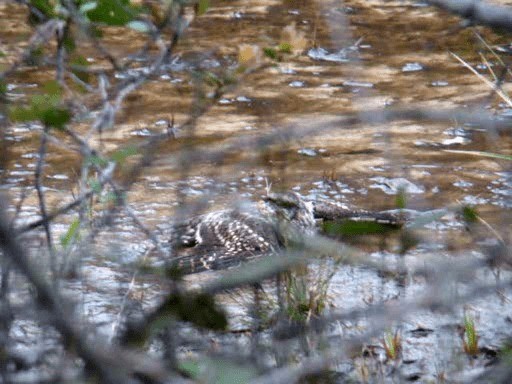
(360, 55)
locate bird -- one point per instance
(226, 238)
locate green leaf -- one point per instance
(3, 87)
(469, 214)
(270, 53)
(43, 6)
(69, 42)
(71, 233)
(53, 88)
(112, 12)
(82, 75)
(39, 103)
(121, 155)
(401, 199)
(212, 79)
(55, 117)
(111, 197)
(45, 107)
(22, 114)
(95, 185)
(285, 47)
(98, 161)
(139, 26)
(202, 6)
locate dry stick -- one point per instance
(496, 56)
(494, 86)
(39, 189)
(61, 52)
(106, 175)
(43, 35)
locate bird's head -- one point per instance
(292, 209)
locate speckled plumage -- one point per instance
(224, 239)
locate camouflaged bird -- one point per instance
(226, 238)
(223, 239)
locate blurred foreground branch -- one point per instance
(479, 12)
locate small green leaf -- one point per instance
(98, 161)
(469, 214)
(121, 155)
(53, 88)
(270, 53)
(55, 117)
(110, 197)
(45, 107)
(139, 26)
(401, 199)
(202, 6)
(22, 114)
(82, 75)
(69, 42)
(71, 233)
(95, 185)
(112, 12)
(285, 47)
(42, 102)
(212, 79)
(3, 87)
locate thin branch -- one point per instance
(494, 86)
(106, 175)
(39, 188)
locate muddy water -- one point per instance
(359, 55)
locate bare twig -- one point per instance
(39, 188)
(66, 208)
(494, 86)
